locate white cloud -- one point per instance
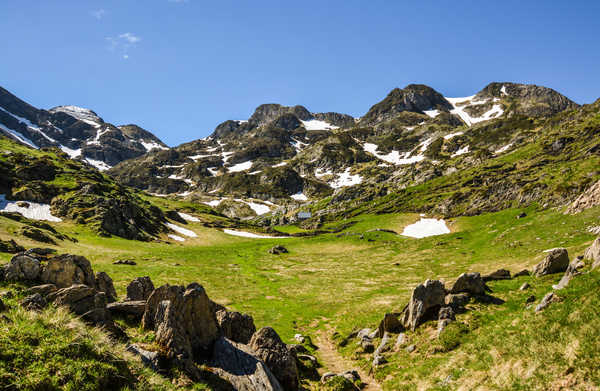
(98, 14)
(123, 43)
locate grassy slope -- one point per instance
(330, 282)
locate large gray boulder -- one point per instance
(555, 261)
(471, 283)
(593, 253)
(270, 348)
(236, 326)
(105, 284)
(183, 321)
(66, 270)
(424, 303)
(239, 365)
(140, 289)
(22, 268)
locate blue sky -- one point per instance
(180, 67)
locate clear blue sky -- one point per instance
(180, 67)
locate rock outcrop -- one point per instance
(425, 302)
(593, 253)
(276, 355)
(140, 289)
(66, 270)
(587, 199)
(556, 261)
(105, 284)
(471, 283)
(85, 301)
(22, 268)
(236, 326)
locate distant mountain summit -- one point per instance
(77, 131)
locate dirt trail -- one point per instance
(334, 362)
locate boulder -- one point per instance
(500, 274)
(40, 252)
(593, 253)
(523, 272)
(150, 359)
(546, 301)
(85, 301)
(236, 326)
(470, 283)
(572, 271)
(457, 300)
(131, 309)
(445, 317)
(43, 290)
(425, 302)
(556, 261)
(383, 345)
(22, 268)
(66, 270)
(35, 302)
(390, 323)
(276, 355)
(239, 365)
(279, 249)
(525, 286)
(139, 289)
(183, 320)
(105, 284)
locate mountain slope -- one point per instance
(79, 132)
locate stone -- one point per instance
(390, 323)
(299, 338)
(85, 301)
(124, 262)
(367, 345)
(139, 289)
(130, 309)
(446, 313)
(556, 261)
(378, 361)
(546, 301)
(66, 270)
(22, 268)
(500, 274)
(183, 320)
(383, 345)
(40, 252)
(425, 301)
(411, 348)
(150, 359)
(105, 284)
(236, 326)
(400, 341)
(530, 299)
(572, 271)
(239, 365)
(521, 215)
(525, 286)
(339, 383)
(457, 300)
(470, 283)
(276, 355)
(279, 249)
(593, 253)
(442, 323)
(35, 302)
(351, 375)
(36, 234)
(523, 272)
(43, 290)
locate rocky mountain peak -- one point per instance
(79, 113)
(269, 112)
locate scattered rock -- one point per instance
(384, 345)
(400, 341)
(500, 274)
(271, 349)
(326, 376)
(43, 290)
(470, 283)
(390, 323)
(530, 299)
(523, 272)
(279, 249)
(445, 317)
(124, 262)
(425, 302)
(457, 300)
(140, 289)
(7, 295)
(299, 338)
(130, 309)
(66, 270)
(150, 359)
(593, 253)
(411, 348)
(338, 383)
(367, 345)
(85, 301)
(40, 252)
(525, 286)
(2, 306)
(521, 215)
(236, 326)
(10, 246)
(34, 302)
(556, 261)
(183, 320)
(378, 361)
(22, 268)
(572, 271)
(105, 284)
(238, 365)
(546, 301)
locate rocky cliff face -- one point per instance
(79, 132)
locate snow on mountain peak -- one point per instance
(80, 113)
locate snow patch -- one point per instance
(503, 90)
(452, 135)
(85, 115)
(299, 197)
(175, 237)
(494, 112)
(73, 153)
(279, 164)
(461, 151)
(432, 113)
(150, 145)
(240, 166)
(34, 211)
(188, 217)
(99, 164)
(251, 235)
(213, 203)
(426, 227)
(504, 148)
(19, 137)
(393, 157)
(321, 172)
(345, 179)
(181, 230)
(315, 124)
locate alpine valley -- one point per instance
(434, 243)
